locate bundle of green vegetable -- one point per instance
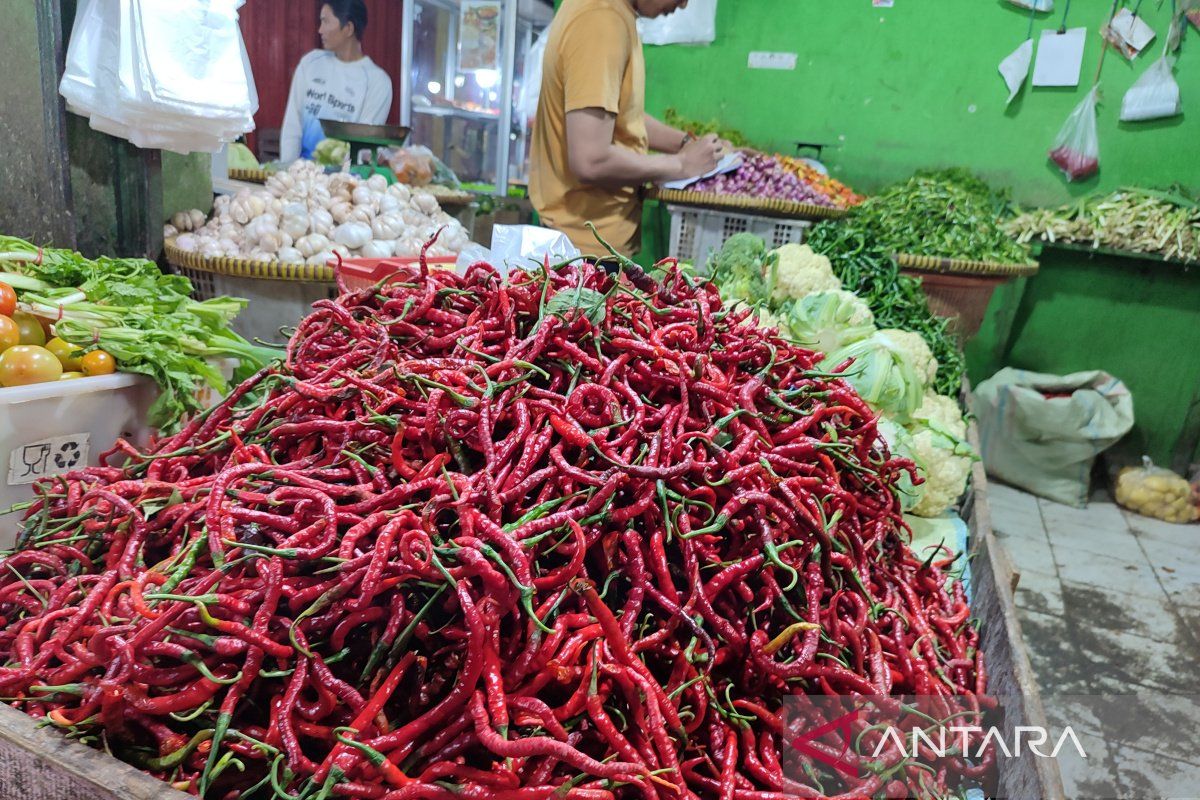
(1165, 224)
(129, 308)
(698, 128)
(949, 213)
(896, 369)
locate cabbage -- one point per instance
(331, 152)
(827, 321)
(881, 374)
(900, 443)
(238, 156)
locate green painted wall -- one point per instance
(917, 86)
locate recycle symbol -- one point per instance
(67, 455)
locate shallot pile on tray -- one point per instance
(573, 535)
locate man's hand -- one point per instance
(699, 156)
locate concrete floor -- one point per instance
(1109, 603)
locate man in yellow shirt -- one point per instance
(592, 138)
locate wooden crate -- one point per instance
(39, 764)
(1010, 677)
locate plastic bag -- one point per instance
(412, 165)
(1040, 5)
(1156, 492)
(531, 85)
(1154, 95)
(696, 24)
(172, 76)
(1077, 147)
(1043, 432)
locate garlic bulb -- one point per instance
(426, 203)
(377, 184)
(321, 221)
(304, 214)
(340, 211)
(352, 234)
(378, 248)
(311, 244)
(320, 259)
(389, 226)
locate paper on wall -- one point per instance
(1040, 5)
(1128, 33)
(727, 164)
(1015, 68)
(1059, 58)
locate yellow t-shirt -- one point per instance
(593, 60)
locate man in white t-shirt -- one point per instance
(337, 82)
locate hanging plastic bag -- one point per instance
(1077, 147)
(1034, 5)
(531, 85)
(1154, 95)
(1156, 492)
(696, 24)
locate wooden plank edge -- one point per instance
(991, 554)
(38, 763)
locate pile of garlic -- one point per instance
(304, 215)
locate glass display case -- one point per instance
(465, 77)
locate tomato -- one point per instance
(62, 351)
(8, 300)
(31, 329)
(28, 363)
(70, 376)
(10, 334)
(98, 362)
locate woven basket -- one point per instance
(763, 206)
(280, 294)
(961, 289)
(248, 175)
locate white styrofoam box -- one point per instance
(273, 303)
(697, 232)
(53, 427)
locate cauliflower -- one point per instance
(798, 271)
(827, 321)
(919, 354)
(942, 411)
(769, 319)
(945, 461)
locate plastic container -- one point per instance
(359, 273)
(697, 232)
(48, 428)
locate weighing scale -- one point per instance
(362, 137)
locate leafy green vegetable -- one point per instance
(331, 152)
(881, 374)
(740, 268)
(146, 320)
(588, 301)
(939, 214)
(867, 268)
(825, 321)
(697, 128)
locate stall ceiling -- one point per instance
(279, 32)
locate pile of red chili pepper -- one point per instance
(569, 534)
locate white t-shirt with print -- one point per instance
(325, 87)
